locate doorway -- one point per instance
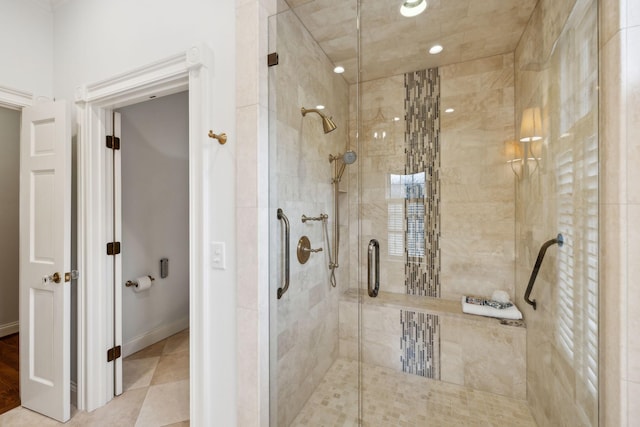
(154, 225)
(95, 102)
(9, 289)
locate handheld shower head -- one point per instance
(348, 158)
(327, 123)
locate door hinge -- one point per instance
(272, 59)
(113, 248)
(113, 142)
(114, 353)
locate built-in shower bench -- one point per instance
(432, 337)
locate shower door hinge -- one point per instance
(113, 248)
(113, 142)
(114, 353)
(272, 59)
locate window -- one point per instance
(410, 189)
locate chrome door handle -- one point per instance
(374, 248)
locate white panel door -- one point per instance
(45, 239)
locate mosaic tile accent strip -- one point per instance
(420, 344)
(422, 202)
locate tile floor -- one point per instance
(156, 384)
(395, 399)
(156, 392)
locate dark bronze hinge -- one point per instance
(114, 353)
(272, 59)
(113, 248)
(113, 142)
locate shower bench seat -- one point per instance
(432, 337)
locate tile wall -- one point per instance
(305, 336)
(476, 352)
(557, 72)
(476, 183)
(619, 212)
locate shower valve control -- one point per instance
(218, 257)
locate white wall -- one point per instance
(97, 39)
(26, 46)
(155, 218)
(9, 209)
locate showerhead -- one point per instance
(349, 157)
(327, 124)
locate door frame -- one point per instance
(15, 99)
(190, 70)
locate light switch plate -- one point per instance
(218, 256)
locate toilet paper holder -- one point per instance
(134, 283)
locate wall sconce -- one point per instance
(514, 152)
(521, 153)
(531, 125)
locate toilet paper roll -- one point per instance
(144, 283)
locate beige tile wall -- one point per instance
(620, 210)
(476, 181)
(304, 340)
(556, 71)
(476, 352)
(252, 212)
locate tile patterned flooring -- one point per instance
(395, 399)
(156, 392)
(156, 384)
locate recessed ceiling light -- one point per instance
(396, 119)
(449, 110)
(435, 49)
(338, 70)
(319, 107)
(411, 8)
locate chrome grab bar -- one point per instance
(374, 245)
(559, 240)
(282, 217)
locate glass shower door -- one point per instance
(459, 197)
(313, 322)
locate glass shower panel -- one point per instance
(559, 194)
(459, 207)
(314, 322)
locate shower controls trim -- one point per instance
(304, 250)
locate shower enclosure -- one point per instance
(468, 160)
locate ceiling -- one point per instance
(392, 44)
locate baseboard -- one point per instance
(9, 328)
(154, 335)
